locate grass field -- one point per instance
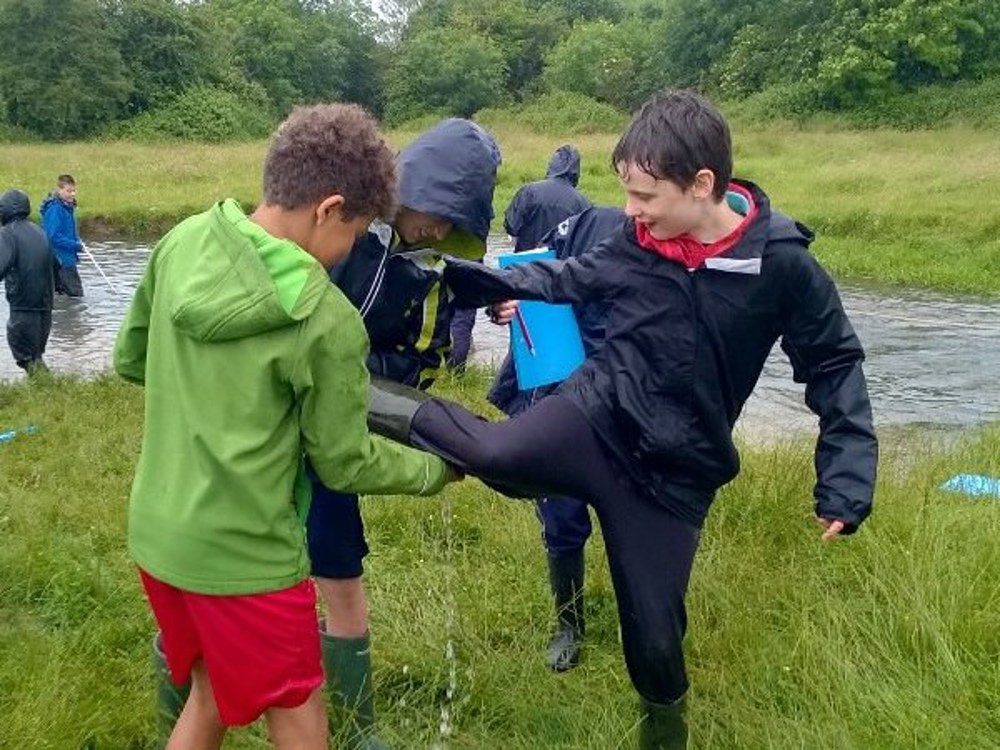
(885, 640)
(890, 207)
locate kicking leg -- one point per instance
(532, 454)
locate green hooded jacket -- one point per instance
(250, 358)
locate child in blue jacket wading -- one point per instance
(59, 222)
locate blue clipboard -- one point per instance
(545, 340)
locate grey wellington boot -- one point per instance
(566, 577)
(391, 408)
(170, 699)
(664, 726)
(348, 667)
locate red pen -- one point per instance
(524, 331)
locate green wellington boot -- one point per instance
(663, 726)
(170, 699)
(348, 666)
(566, 578)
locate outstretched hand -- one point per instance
(502, 313)
(833, 528)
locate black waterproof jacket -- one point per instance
(25, 256)
(683, 351)
(575, 236)
(538, 207)
(449, 171)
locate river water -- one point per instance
(932, 359)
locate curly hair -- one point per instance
(331, 149)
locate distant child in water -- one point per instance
(59, 221)
(26, 269)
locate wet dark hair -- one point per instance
(673, 136)
(65, 179)
(331, 149)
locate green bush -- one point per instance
(203, 113)
(558, 112)
(14, 134)
(444, 70)
(975, 104)
(784, 101)
(608, 62)
(930, 106)
(422, 122)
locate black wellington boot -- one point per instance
(663, 725)
(566, 578)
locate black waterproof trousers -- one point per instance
(551, 449)
(27, 335)
(67, 281)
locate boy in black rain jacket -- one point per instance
(701, 282)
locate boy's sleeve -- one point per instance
(827, 356)
(133, 336)
(581, 279)
(331, 383)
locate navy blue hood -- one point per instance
(14, 204)
(450, 171)
(565, 165)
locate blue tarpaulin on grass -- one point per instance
(973, 484)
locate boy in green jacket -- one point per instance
(251, 358)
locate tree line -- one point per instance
(226, 68)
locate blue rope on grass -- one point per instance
(975, 485)
(6, 437)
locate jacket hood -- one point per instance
(768, 226)
(450, 171)
(51, 199)
(783, 228)
(565, 165)
(237, 280)
(14, 204)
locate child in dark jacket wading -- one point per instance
(700, 283)
(26, 269)
(251, 358)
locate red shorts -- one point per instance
(260, 650)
